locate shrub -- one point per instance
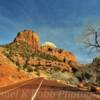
(29, 69)
(66, 76)
(45, 56)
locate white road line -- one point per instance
(33, 97)
(9, 90)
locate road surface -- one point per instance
(49, 90)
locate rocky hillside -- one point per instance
(8, 72)
(26, 49)
(95, 66)
(30, 56)
(26, 54)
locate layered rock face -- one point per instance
(44, 64)
(29, 37)
(63, 55)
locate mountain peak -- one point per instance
(28, 36)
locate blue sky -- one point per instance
(59, 21)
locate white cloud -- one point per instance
(50, 44)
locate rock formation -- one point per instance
(29, 55)
(63, 55)
(95, 66)
(26, 55)
(29, 37)
(32, 38)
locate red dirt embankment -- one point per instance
(8, 72)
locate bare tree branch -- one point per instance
(91, 38)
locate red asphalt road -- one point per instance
(50, 90)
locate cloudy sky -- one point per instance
(59, 21)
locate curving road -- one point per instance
(46, 90)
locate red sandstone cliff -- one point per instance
(29, 37)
